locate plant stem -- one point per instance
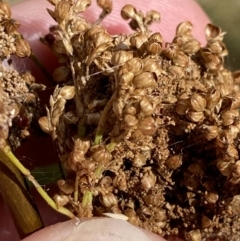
(26, 172)
(103, 118)
(76, 189)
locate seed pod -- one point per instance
(81, 6)
(224, 139)
(149, 65)
(191, 47)
(181, 59)
(78, 25)
(213, 98)
(94, 30)
(144, 80)
(61, 200)
(225, 167)
(120, 181)
(205, 221)
(236, 170)
(66, 186)
(120, 57)
(193, 235)
(101, 38)
(138, 39)
(102, 156)
(197, 169)
(184, 28)
(130, 109)
(23, 48)
(139, 160)
(45, 125)
(128, 12)
(198, 103)
(133, 65)
(11, 25)
(62, 9)
(182, 106)
(28, 78)
(67, 92)
(106, 5)
(177, 71)
(195, 116)
(170, 51)
(153, 48)
(108, 200)
(212, 32)
(151, 17)
(211, 196)
(129, 121)
(210, 132)
(148, 180)
(230, 153)
(174, 162)
(229, 116)
(61, 74)
(147, 107)
(148, 126)
(5, 10)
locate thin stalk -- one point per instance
(76, 190)
(38, 63)
(26, 172)
(103, 118)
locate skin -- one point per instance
(35, 22)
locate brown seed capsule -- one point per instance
(128, 12)
(67, 92)
(157, 37)
(205, 221)
(133, 65)
(174, 162)
(44, 124)
(198, 103)
(147, 107)
(101, 38)
(182, 106)
(61, 74)
(197, 169)
(129, 121)
(181, 59)
(211, 196)
(66, 186)
(11, 25)
(212, 32)
(225, 167)
(184, 28)
(229, 116)
(153, 48)
(138, 39)
(236, 170)
(191, 47)
(144, 80)
(193, 235)
(130, 109)
(213, 98)
(62, 9)
(23, 48)
(210, 132)
(170, 51)
(102, 156)
(5, 10)
(108, 200)
(152, 16)
(106, 5)
(195, 116)
(121, 57)
(148, 126)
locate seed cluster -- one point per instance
(151, 129)
(17, 91)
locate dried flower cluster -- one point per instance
(17, 91)
(151, 129)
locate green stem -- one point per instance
(26, 172)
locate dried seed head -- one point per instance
(148, 180)
(139, 160)
(195, 116)
(133, 65)
(197, 169)
(148, 126)
(61, 74)
(149, 65)
(212, 98)
(81, 6)
(67, 92)
(22, 48)
(138, 39)
(231, 152)
(129, 121)
(236, 170)
(198, 103)
(66, 186)
(121, 57)
(170, 51)
(144, 80)
(45, 125)
(211, 196)
(130, 109)
(191, 47)
(182, 106)
(147, 107)
(225, 167)
(156, 37)
(108, 200)
(78, 25)
(28, 78)
(120, 181)
(101, 38)
(106, 5)
(5, 10)
(174, 162)
(153, 48)
(61, 200)
(128, 12)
